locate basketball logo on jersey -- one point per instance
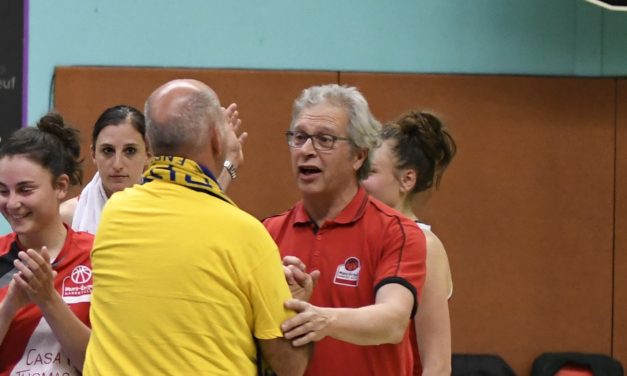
(77, 286)
(347, 274)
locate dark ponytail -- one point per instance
(422, 143)
(51, 144)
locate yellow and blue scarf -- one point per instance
(185, 172)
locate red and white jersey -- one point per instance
(29, 347)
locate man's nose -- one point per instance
(308, 147)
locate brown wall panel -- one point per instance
(264, 185)
(620, 257)
(525, 210)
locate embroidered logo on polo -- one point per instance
(347, 274)
(77, 287)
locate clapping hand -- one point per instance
(35, 277)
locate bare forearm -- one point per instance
(371, 325)
(285, 359)
(71, 333)
(385, 321)
(434, 338)
(438, 369)
(295, 363)
(224, 179)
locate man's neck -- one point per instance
(205, 158)
(322, 209)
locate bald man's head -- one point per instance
(179, 117)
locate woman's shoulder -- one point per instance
(80, 241)
(432, 239)
(67, 209)
(437, 259)
(435, 248)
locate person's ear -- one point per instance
(408, 179)
(148, 157)
(216, 140)
(360, 157)
(93, 153)
(62, 185)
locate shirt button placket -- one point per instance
(317, 251)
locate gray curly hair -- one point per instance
(363, 128)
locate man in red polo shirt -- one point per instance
(370, 258)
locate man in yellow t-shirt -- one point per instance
(184, 281)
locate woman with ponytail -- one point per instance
(415, 151)
(45, 271)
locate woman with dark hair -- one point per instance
(120, 152)
(415, 151)
(45, 270)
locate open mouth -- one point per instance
(309, 170)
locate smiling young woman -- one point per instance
(45, 271)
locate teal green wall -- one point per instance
(531, 37)
(538, 37)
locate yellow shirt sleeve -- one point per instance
(269, 291)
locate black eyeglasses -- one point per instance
(320, 142)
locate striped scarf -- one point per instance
(184, 172)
